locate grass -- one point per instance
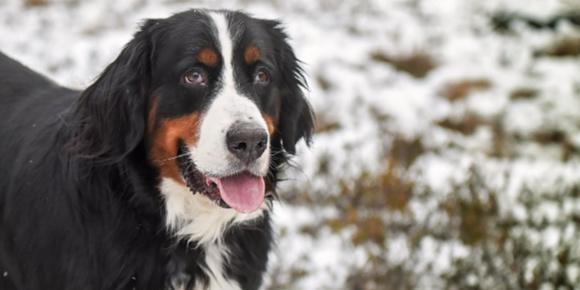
(323, 82)
(325, 124)
(523, 93)
(563, 47)
(556, 138)
(35, 3)
(458, 90)
(466, 125)
(418, 64)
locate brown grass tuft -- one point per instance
(558, 138)
(324, 124)
(523, 93)
(35, 3)
(564, 47)
(465, 126)
(417, 64)
(323, 82)
(404, 152)
(458, 90)
(371, 229)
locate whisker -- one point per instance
(172, 158)
(189, 165)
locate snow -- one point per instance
(518, 169)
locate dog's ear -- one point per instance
(296, 116)
(110, 115)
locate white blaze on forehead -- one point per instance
(226, 49)
(211, 154)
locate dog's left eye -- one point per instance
(195, 77)
(261, 77)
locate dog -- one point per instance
(162, 173)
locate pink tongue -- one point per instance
(244, 192)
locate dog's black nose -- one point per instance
(247, 141)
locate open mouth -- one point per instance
(242, 191)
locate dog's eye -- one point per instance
(261, 77)
(195, 77)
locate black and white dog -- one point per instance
(160, 175)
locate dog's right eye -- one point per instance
(196, 77)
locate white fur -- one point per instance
(215, 255)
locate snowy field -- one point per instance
(447, 154)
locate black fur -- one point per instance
(79, 204)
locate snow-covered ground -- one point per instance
(447, 152)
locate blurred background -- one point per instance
(447, 147)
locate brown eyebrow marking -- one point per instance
(208, 57)
(252, 54)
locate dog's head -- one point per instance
(216, 99)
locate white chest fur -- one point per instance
(215, 256)
(195, 218)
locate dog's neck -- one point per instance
(212, 234)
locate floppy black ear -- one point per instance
(296, 116)
(109, 117)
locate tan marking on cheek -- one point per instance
(270, 124)
(166, 139)
(208, 57)
(252, 54)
